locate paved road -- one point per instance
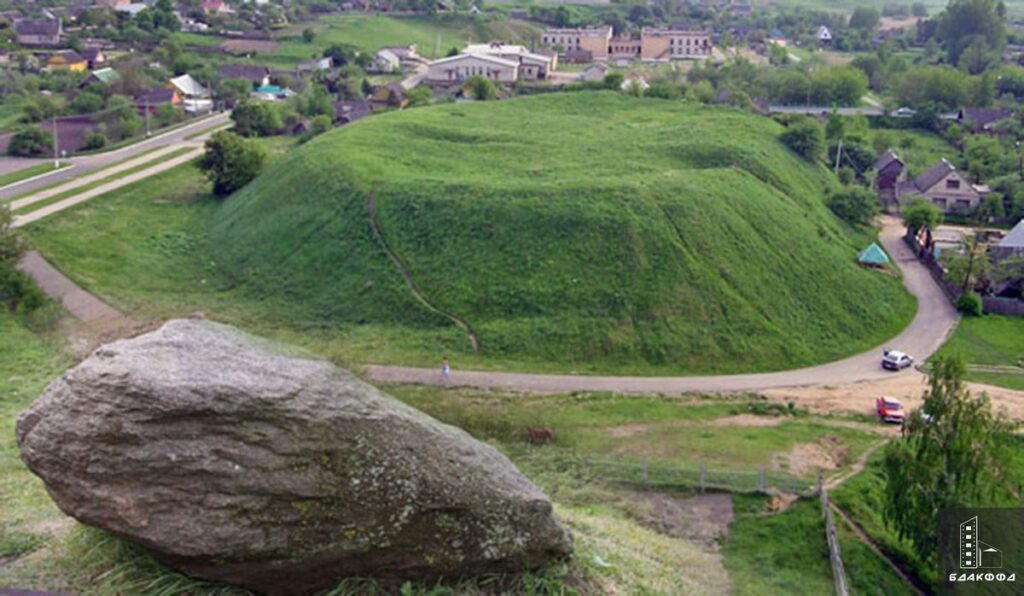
(88, 163)
(934, 320)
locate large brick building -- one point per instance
(654, 43)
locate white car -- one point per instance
(896, 360)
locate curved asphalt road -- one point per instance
(926, 333)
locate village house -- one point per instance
(66, 60)
(315, 65)
(943, 186)
(350, 111)
(890, 172)
(406, 53)
(151, 99)
(388, 96)
(95, 57)
(1012, 245)
(215, 7)
(385, 61)
(112, 3)
(38, 32)
(983, 120)
(103, 76)
(594, 40)
(194, 97)
(595, 72)
(824, 36)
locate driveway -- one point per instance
(935, 319)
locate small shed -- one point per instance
(873, 256)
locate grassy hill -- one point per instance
(582, 229)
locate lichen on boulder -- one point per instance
(236, 460)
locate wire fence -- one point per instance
(701, 478)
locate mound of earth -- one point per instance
(590, 229)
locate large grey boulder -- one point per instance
(235, 460)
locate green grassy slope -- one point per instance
(993, 347)
(590, 229)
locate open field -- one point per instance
(993, 347)
(433, 36)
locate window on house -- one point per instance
(952, 183)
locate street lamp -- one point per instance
(1020, 162)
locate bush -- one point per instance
(854, 204)
(805, 137)
(95, 140)
(969, 304)
(481, 88)
(30, 141)
(256, 119)
(231, 162)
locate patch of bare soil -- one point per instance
(750, 420)
(906, 386)
(825, 455)
(780, 502)
(702, 519)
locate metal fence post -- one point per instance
(703, 471)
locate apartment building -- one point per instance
(585, 39)
(674, 44)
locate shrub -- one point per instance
(854, 204)
(95, 140)
(969, 304)
(30, 141)
(231, 162)
(481, 88)
(805, 137)
(255, 118)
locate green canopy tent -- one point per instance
(873, 256)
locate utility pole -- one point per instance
(56, 145)
(839, 153)
(147, 115)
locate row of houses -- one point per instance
(586, 44)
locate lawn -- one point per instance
(433, 36)
(918, 149)
(993, 348)
(29, 172)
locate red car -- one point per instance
(889, 410)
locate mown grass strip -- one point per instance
(86, 187)
(30, 172)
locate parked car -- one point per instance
(896, 360)
(889, 410)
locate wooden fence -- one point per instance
(834, 555)
(991, 304)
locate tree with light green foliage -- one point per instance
(230, 162)
(918, 214)
(481, 88)
(951, 458)
(806, 137)
(967, 22)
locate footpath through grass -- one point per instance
(993, 348)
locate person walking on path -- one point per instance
(446, 370)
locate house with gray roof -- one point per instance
(38, 32)
(1012, 245)
(945, 187)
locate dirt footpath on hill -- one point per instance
(906, 386)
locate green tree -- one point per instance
(614, 80)
(230, 162)
(419, 96)
(30, 141)
(835, 128)
(918, 214)
(854, 204)
(806, 137)
(308, 35)
(984, 155)
(17, 292)
(969, 266)
(952, 458)
(481, 88)
(865, 18)
(968, 21)
(256, 118)
(87, 102)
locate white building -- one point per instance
(195, 97)
(459, 68)
(386, 61)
